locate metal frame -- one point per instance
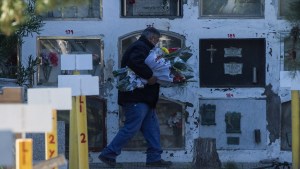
(69, 38)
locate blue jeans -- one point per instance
(139, 116)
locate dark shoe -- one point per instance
(160, 163)
(108, 161)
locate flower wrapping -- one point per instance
(171, 69)
(160, 66)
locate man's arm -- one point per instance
(136, 62)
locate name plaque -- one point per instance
(150, 8)
(233, 68)
(232, 52)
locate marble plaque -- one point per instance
(232, 52)
(233, 68)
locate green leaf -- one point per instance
(183, 53)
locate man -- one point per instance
(139, 105)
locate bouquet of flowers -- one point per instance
(168, 65)
(47, 62)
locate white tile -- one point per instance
(26, 118)
(58, 98)
(84, 62)
(68, 62)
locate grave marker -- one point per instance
(22, 118)
(59, 99)
(24, 154)
(81, 86)
(76, 62)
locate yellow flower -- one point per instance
(165, 50)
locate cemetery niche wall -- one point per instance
(154, 8)
(232, 62)
(50, 50)
(236, 126)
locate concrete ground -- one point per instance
(140, 166)
(180, 166)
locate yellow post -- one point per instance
(24, 154)
(73, 138)
(295, 129)
(78, 139)
(51, 147)
(83, 151)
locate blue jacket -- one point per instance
(134, 57)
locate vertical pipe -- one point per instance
(295, 129)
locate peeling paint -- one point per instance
(270, 51)
(224, 90)
(187, 104)
(273, 113)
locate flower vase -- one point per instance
(47, 71)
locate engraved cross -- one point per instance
(211, 50)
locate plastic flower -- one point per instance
(49, 60)
(165, 50)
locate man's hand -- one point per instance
(152, 80)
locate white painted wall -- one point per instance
(111, 27)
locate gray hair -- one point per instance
(150, 31)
